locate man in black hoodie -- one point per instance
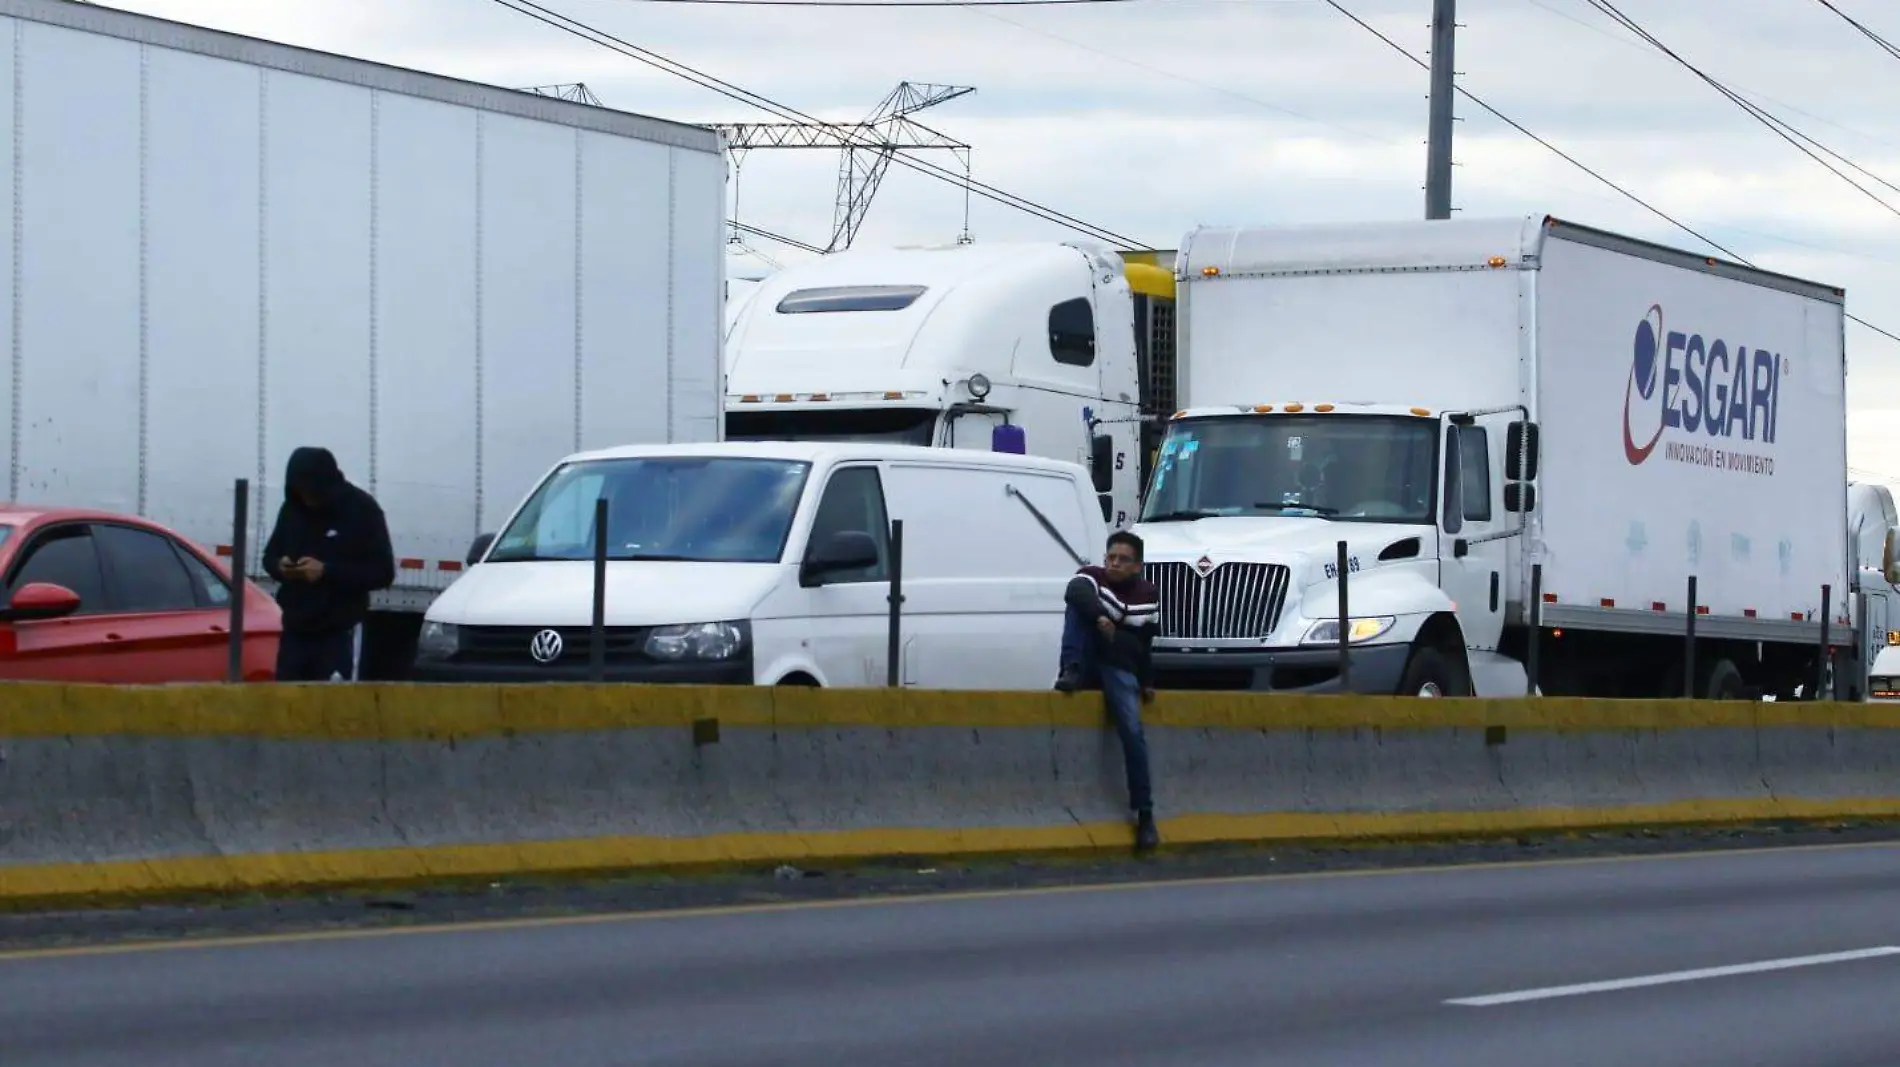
(329, 551)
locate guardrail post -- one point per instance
(1531, 657)
(1827, 613)
(597, 640)
(894, 653)
(240, 575)
(1345, 626)
(1688, 651)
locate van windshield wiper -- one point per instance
(1181, 516)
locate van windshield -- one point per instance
(891, 426)
(1368, 468)
(686, 508)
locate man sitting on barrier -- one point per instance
(1107, 642)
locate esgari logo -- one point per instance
(1703, 394)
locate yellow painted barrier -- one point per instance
(426, 712)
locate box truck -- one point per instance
(223, 248)
(1535, 439)
(1056, 349)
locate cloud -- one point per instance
(1150, 118)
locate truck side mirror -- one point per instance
(1102, 462)
(1889, 564)
(1520, 452)
(1520, 497)
(1009, 438)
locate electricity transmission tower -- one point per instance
(867, 149)
(578, 92)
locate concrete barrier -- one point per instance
(109, 793)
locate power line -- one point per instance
(1176, 75)
(1890, 48)
(1755, 112)
(601, 38)
(1573, 161)
(789, 242)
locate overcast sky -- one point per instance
(1148, 118)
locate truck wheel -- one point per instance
(1431, 673)
(1725, 682)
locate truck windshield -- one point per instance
(892, 426)
(1369, 468)
(684, 508)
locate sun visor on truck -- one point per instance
(1009, 438)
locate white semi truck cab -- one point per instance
(1026, 347)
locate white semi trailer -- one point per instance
(1468, 404)
(222, 248)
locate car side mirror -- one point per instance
(37, 601)
(846, 550)
(479, 548)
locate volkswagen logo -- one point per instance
(546, 646)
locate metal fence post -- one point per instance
(894, 653)
(240, 578)
(1688, 652)
(597, 640)
(1532, 657)
(1345, 626)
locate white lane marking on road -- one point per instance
(1673, 977)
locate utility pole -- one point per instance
(1438, 152)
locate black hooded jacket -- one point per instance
(346, 531)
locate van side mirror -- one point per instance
(1102, 462)
(1520, 451)
(479, 548)
(1520, 497)
(37, 601)
(846, 550)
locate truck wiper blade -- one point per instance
(1179, 516)
(1318, 509)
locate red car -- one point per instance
(88, 596)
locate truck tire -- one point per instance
(1431, 673)
(1725, 682)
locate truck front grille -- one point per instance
(1236, 601)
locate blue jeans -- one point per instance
(1121, 692)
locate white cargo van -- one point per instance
(770, 563)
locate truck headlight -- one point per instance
(438, 640)
(1359, 630)
(699, 640)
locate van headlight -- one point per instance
(438, 640)
(1362, 629)
(698, 640)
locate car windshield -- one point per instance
(894, 426)
(687, 508)
(1369, 468)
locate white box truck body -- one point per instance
(224, 248)
(1362, 384)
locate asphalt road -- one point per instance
(1358, 968)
